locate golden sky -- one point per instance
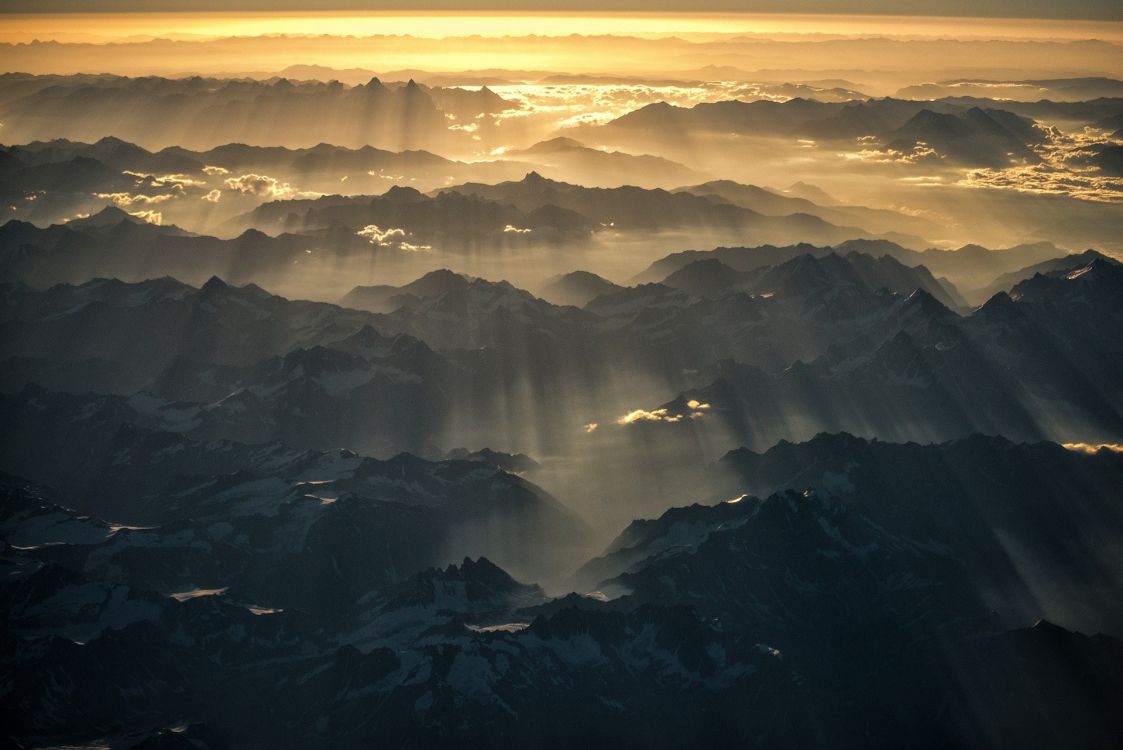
(116, 26)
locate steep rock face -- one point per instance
(282, 527)
(977, 137)
(94, 623)
(833, 336)
(889, 590)
(1034, 525)
(157, 331)
(1039, 363)
(808, 615)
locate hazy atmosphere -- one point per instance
(639, 375)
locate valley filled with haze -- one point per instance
(657, 377)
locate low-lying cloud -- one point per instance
(264, 186)
(394, 237)
(695, 409)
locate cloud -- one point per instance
(920, 152)
(152, 217)
(512, 229)
(176, 181)
(1094, 447)
(259, 185)
(391, 237)
(564, 105)
(378, 236)
(695, 409)
(1040, 178)
(641, 415)
(215, 170)
(125, 200)
(213, 196)
(264, 186)
(1065, 169)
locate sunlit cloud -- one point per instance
(574, 104)
(125, 200)
(215, 170)
(152, 217)
(177, 181)
(378, 236)
(920, 152)
(264, 186)
(1094, 447)
(1064, 170)
(641, 415)
(213, 196)
(696, 409)
(391, 237)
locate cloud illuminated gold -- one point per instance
(124, 200)
(152, 217)
(391, 237)
(1094, 447)
(696, 409)
(1064, 170)
(265, 186)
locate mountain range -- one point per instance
(443, 380)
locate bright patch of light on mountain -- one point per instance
(183, 596)
(506, 627)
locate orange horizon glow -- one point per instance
(121, 27)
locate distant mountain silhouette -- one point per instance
(577, 288)
(201, 112)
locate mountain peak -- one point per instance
(1001, 306)
(108, 216)
(214, 284)
(403, 193)
(110, 140)
(559, 143)
(924, 300)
